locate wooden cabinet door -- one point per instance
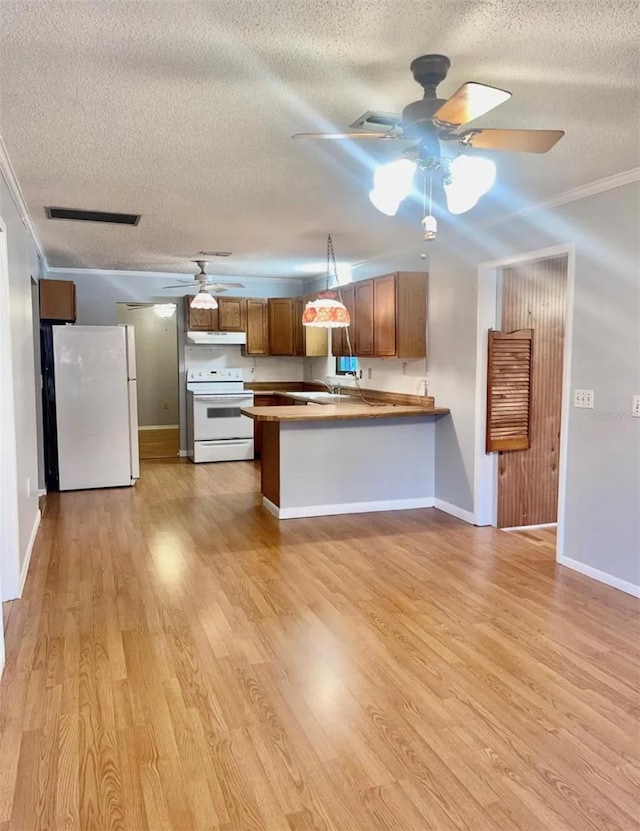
(281, 325)
(363, 345)
(257, 327)
(348, 298)
(57, 300)
(384, 316)
(200, 320)
(411, 314)
(231, 314)
(300, 333)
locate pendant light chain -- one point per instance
(331, 261)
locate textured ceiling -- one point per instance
(183, 112)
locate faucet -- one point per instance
(334, 390)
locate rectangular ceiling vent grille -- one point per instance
(92, 216)
(377, 122)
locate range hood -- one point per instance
(217, 338)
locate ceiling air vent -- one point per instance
(377, 121)
(92, 216)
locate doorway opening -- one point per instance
(525, 489)
(156, 344)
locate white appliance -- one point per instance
(217, 338)
(96, 406)
(216, 429)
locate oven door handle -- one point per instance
(225, 442)
(223, 398)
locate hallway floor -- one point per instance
(181, 660)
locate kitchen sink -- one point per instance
(324, 396)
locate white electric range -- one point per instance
(216, 429)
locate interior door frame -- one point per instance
(485, 500)
(9, 535)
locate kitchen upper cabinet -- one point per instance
(282, 337)
(58, 300)
(388, 317)
(315, 339)
(300, 340)
(384, 316)
(339, 341)
(363, 338)
(231, 314)
(257, 327)
(411, 314)
(199, 320)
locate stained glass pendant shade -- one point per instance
(326, 310)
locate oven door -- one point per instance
(218, 417)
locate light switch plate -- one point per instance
(635, 406)
(583, 398)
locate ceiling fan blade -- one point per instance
(181, 286)
(470, 101)
(389, 135)
(517, 141)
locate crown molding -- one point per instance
(164, 275)
(617, 180)
(9, 175)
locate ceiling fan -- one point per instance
(427, 123)
(433, 119)
(203, 282)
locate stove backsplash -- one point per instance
(256, 369)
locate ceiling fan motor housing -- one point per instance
(428, 71)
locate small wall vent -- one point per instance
(92, 216)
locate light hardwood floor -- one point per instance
(180, 660)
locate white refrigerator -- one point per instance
(96, 406)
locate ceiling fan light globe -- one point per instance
(203, 300)
(391, 184)
(164, 310)
(385, 204)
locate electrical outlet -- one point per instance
(360, 375)
(583, 398)
(404, 367)
(635, 406)
(369, 374)
(165, 406)
(252, 371)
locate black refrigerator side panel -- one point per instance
(50, 426)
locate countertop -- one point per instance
(333, 412)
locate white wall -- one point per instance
(156, 341)
(602, 530)
(23, 263)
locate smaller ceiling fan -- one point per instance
(203, 282)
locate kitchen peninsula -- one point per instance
(343, 458)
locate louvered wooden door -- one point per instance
(509, 390)
(534, 297)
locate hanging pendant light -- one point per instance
(326, 310)
(203, 300)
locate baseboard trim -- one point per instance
(454, 510)
(27, 560)
(42, 491)
(531, 527)
(160, 427)
(600, 576)
(347, 508)
(183, 454)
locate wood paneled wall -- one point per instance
(534, 297)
